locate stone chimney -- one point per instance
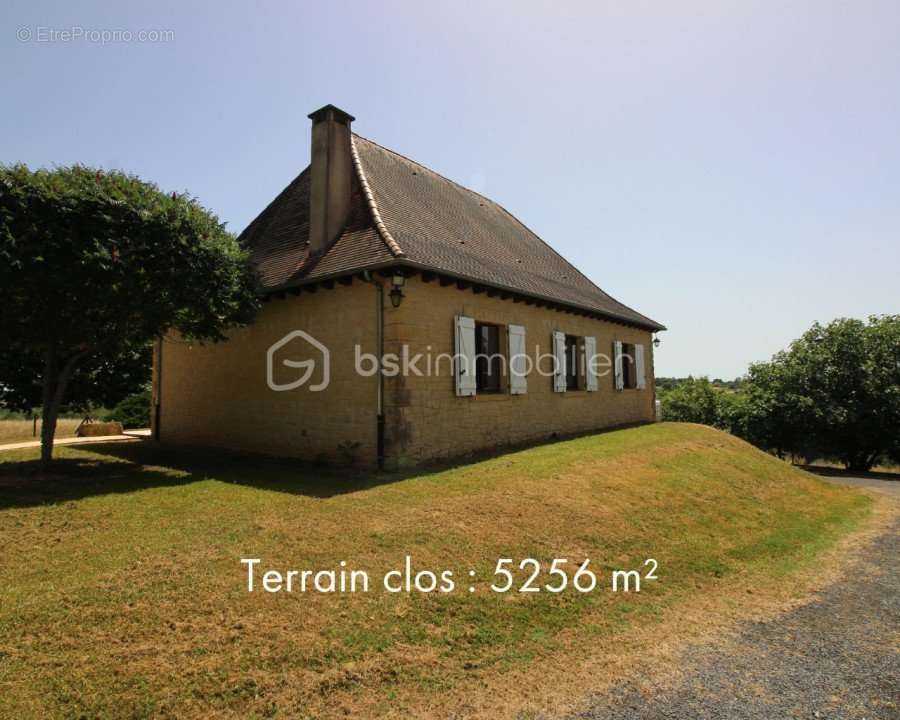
(331, 169)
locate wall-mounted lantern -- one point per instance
(396, 293)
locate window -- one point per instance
(574, 359)
(481, 357)
(629, 372)
(573, 369)
(488, 360)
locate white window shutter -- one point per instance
(464, 360)
(617, 355)
(518, 361)
(639, 366)
(559, 359)
(590, 365)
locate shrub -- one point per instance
(691, 401)
(133, 411)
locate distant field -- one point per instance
(13, 431)
(122, 594)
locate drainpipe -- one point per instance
(157, 407)
(379, 342)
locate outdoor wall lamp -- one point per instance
(396, 294)
(656, 342)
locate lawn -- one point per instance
(16, 431)
(122, 594)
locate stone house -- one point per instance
(485, 335)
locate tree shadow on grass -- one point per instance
(22, 484)
(126, 467)
(77, 473)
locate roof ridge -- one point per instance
(383, 232)
(492, 202)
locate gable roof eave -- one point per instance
(645, 324)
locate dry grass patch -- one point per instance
(124, 596)
(16, 431)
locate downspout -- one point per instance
(158, 394)
(379, 342)
(656, 414)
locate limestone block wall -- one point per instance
(425, 417)
(217, 394)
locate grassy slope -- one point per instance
(121, 592)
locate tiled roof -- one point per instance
(279, 239)
(404, 213)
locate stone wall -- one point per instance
(426, 419)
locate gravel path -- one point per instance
(837, 657)
(888, 487)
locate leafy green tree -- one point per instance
(848, 379)
(772, 413)
(97, 264)
(835, 392)
(733, 412)
(692, 400)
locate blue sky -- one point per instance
(731, 169)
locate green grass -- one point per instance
(121, 592)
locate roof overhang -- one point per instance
(650, 325)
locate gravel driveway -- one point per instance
(888, 487)
(836, 657)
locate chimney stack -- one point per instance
(332, 170)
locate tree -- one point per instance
(835, 392)
(97, 264)
(849, 378)
(691, 401)
(774, 414)
(733, 412)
